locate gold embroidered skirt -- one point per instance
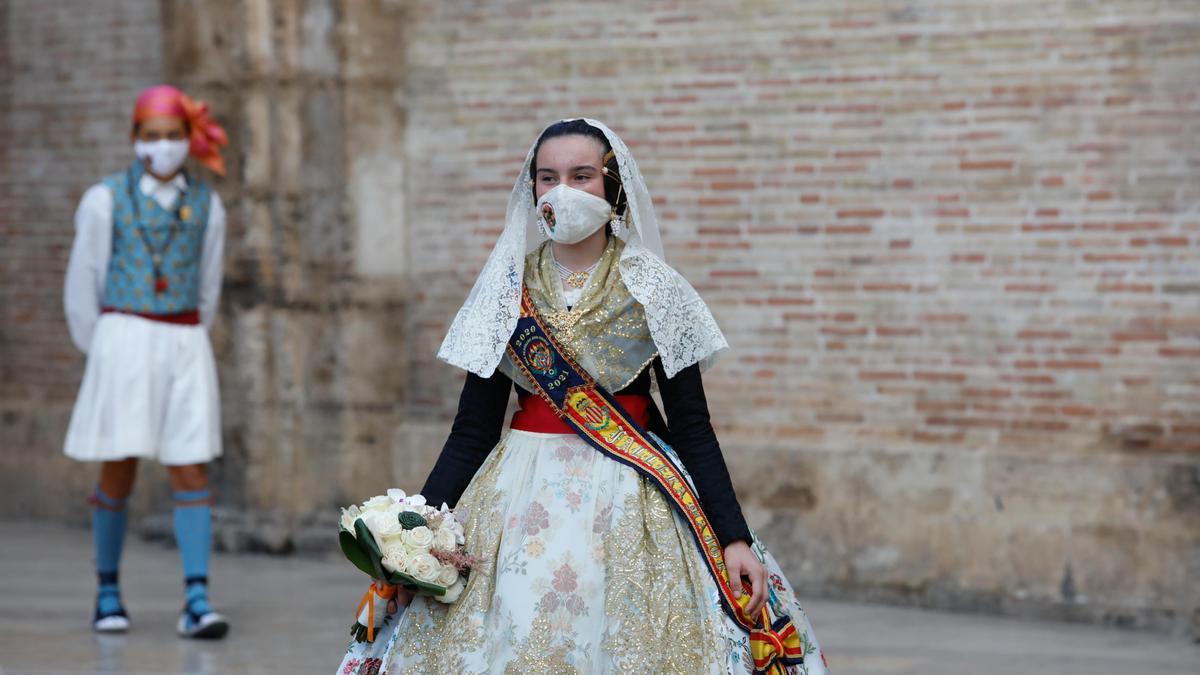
(590, 572)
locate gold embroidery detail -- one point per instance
(434, 636)
(544, 650)
(655, 587)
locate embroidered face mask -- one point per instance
(166, 156)
(569, 216)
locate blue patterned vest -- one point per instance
(143, 230)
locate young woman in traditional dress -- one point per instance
(141, 292)
(614, 540)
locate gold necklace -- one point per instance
(575, 279)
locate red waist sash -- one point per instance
(191, 318)
(540, 417)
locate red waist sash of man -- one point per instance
(191, 318)
(540, 417)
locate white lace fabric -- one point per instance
(681, 324)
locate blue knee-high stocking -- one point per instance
(109, 519)
(193, 534)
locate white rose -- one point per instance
(348, 517)
(418, 537)
(444, 540)
(423, 567)
(378, 503)
(453, 592)
(395, 560)
(382, 524)
(447, 576)
(393, 547)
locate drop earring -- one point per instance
(617, 223)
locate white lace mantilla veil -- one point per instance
(681, 324)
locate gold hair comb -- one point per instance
(611, 154)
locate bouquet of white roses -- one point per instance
(399, 540)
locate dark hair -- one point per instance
(578, 127)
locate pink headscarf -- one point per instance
(206, 135)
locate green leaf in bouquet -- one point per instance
(354, 552)
(402, 579)
(366, 541)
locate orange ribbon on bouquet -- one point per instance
(385, 591)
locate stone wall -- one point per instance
(953, 246)
(312, 342)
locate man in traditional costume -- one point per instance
(141, 292)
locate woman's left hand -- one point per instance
(403, 597)
(741, 562)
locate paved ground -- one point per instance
(291, 616)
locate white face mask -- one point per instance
(569, 216)
(166, 156)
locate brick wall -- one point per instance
(70, 72)
(953, 246)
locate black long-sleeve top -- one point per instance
(479, 424)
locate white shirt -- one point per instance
(87, 270)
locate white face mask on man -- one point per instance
(569, 216)
(166, 156)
